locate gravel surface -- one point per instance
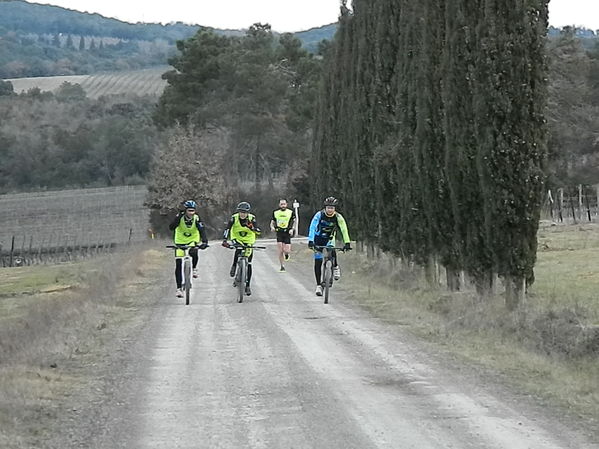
(283, 370)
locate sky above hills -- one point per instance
(283, 15)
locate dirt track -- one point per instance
(282, 370)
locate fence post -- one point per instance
(12, 251)
(580, 202)
(560, 204)
(572, 207)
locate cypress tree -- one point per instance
(432, 113)
(511, 134)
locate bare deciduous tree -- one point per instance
(191, 165)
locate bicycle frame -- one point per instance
(186, 268)
(242, 267)
(326, 277)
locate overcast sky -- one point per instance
(283, 15)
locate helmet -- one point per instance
(190, 204)
(244, 207)
(331, 201)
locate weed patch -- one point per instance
(48, 335)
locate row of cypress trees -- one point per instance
(431, 129)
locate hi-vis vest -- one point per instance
(186, 234)
(282, 218)
(241, 233)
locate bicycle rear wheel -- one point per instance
(241, 277)
(327, 278)
(187, 280)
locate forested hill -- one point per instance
(20, 16)
(42, 40)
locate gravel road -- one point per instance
(283, 370)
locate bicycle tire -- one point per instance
(327, 277)
(187, 277)
(242, 269)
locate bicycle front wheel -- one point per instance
(187, 280)
(241, 277)
(327, 277)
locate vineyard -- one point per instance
(35, 227)
(139, 82)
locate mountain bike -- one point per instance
(327, 269)
(186, 268)
(242, 267)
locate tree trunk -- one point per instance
(514, 291)
(453, 279)
(485, 284)
(430, 271)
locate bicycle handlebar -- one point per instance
(241, 246)
(184, 246)
(332, 248)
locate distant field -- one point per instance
(73, 217)
(140, 82)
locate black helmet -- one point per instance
(331, 201)
(244, 207)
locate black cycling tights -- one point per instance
(193, 252)
(249, 274)
(318, 267)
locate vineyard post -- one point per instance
(588, 205)
(12, 251)
(29, 253)
(39, 250)
(580, 202)
(573, 209)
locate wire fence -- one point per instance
(572, 205)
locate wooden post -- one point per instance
(12, 251)
(30, 251)
(39, 250)
(587, 203)
(560, 204)
(296, 206)
(580, 202)
(573, 210)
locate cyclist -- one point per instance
(242, 228)
(323, 228)
(282, 222)
(188, 230)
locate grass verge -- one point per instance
(57, 324)
(547, 349)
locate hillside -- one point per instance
(312, 37)
(138, 82)
(42, 40)
(46, 19)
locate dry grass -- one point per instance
(548, 348)
(55, 320)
